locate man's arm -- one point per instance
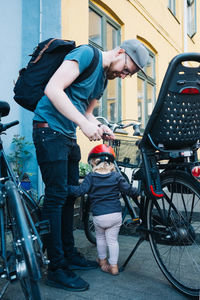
(104, 129)
(63, 78)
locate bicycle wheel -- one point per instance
(88, 221)
(27, 268)
(32, 205)
(173, 223)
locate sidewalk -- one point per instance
(141, 280)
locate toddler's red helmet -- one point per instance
(102, 150)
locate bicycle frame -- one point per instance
(23, 259)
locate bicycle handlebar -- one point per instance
(115, 126)
(4, 127)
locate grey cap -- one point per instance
(137, 52)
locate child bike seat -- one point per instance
(175, 120)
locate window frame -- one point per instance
(172, 6)
(148, 80)
(189, 30)
(106, 19)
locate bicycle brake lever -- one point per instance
(105, 134)
(136, 130)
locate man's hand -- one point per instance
(107, 133)
(91, 130)
(104, 131)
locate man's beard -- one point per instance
(109, 73)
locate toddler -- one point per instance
(104, 185)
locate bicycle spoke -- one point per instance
(175, 241)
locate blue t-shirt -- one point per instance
(80, 93)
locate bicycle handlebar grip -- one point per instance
(4, 127)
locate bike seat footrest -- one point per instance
(152, 175)
(132, 222)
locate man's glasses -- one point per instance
(126, 70)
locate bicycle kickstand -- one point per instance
(4, 289)
(139, 242)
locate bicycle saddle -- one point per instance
(4, 108)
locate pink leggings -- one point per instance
(107, 229)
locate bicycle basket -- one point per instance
(127, 152)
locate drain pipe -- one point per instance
(39, 179)
(41, 13)
(185, 21)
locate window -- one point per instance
(146, 92)
(104, 33)
(172, 6)
(191, 17)
(95, 28)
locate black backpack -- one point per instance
(45, 60)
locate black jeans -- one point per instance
(58, 157)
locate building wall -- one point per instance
(10, 58)
(149, 21)
(74, 14)
(40, 21)
(22, 25)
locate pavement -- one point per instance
(141, 279)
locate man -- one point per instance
(66, 105)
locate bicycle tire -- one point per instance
(173, 223)
(27, 267)
(88, 221)
(31, 205)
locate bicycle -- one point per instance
(21, 256)
(167, 214)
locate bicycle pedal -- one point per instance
(132, 222)
(2, 273)
(43, 227)
(13, 276)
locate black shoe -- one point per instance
(67, 280)
(78, 262)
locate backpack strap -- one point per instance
(92, 66)
(42, 51)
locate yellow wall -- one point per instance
(147, 20)
(75, 20)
